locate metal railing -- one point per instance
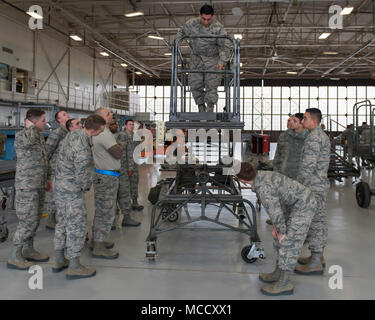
(179, 78)
(68, 97)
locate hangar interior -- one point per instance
(294, 55)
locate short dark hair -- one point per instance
(94, 122)
(299, 115)
(126, 122)
(315, 114)
(57, 115)
(207, 9)
(247, 172)
(69, 123)
(34, 114)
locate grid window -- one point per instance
(268, 108)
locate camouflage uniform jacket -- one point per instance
(280, 150)
(207, 47)
(289, 153)
(128, 145)
(314, 162)
(32, 163)
(276, 191)
(348, 135)
(74, 164)
(53, 144)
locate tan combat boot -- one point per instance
(17, 261)
(101, 252)
(306, 260)
(77, 271)
(136, 206)
(271, 277)
(282, 287)
(60, 262)
(313, 267)
(128, 221)
(30, 254)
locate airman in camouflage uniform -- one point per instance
(348, 138)
(107, 157)
(53, 144)
(32, 173)
(289, 149)
(73, 178)
(208, 54)
(128, 189)
(275, 192)
(312, 173)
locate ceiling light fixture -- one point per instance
(138, 73)
(75, 37)
(238, 36)
(324, 35)
(332, 53)
(156, 37)
(104, 54)
(134, 14)
(346, 11)
(34, 15)
(167, 54)
(291, 72)
(124, 65)
(135, 65)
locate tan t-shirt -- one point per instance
(102, 158)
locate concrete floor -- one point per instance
(203, 261)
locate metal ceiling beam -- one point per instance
(366, 45)
(130, 59)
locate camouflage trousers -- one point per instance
(50, 199)
(204, 86)
(317, 235)
(125, 193)
(105, 194)
(298, 221)
(71, 227)
(134, 180)
(29, 209)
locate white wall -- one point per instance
(16, 35)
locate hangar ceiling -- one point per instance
(280, 39)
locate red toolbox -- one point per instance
(260, 143)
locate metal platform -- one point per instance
(198, 187)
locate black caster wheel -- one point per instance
(3, 233)
(173, 217)
(151, 251)
(363, 194)
(244, 252)
(241, 214)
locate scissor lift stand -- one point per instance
(204, 185)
